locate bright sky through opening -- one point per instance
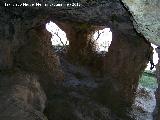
(155, 57)
(104, 40)
(58, 36)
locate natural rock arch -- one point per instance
(26, 48)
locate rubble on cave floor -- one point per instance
(76, 91)
(144, 104)
(79, 78)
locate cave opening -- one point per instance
(58, 39)
(145, 101)
(103, 39)
(81, 42)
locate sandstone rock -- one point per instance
(22, 97)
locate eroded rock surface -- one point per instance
(126, 52)
(81, 43)
(26, 52)
(146, 18)
(156, 115)
(22, 97)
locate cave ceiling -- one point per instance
(144, 14)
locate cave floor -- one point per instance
(144, 104)
(79, 84)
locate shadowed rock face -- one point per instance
(22, 19)
(146, 20)
(36, 54)
(124, 63)
(156, 112)
(81, 43)
(26, 52)
(22, 97)
(26, 58)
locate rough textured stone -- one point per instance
(25, 46)
(123, 65)
(156, 113)
(36, 54)
(22, 97)
(81, 43)
(146, 18)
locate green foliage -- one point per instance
(150, 73)
(148, 80)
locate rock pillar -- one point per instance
(81, 43)
(124, 63)
(156, 114)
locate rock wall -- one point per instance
(27, 64)
(156, 113)
(22, 97)
(25, 49)
(36, 54)
(123, 65)
(146, 18)
(81, 43)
